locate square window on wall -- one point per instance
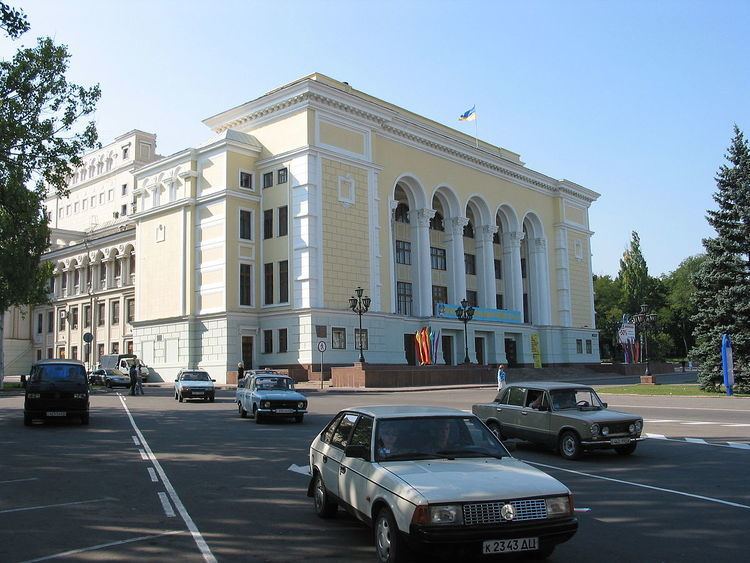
(338, 338)
(579, 346)
(282, 176)
(246, 180)
(360, 338)
(267, 341)
(471, 298)
(267, 180)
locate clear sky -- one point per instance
(635, 100)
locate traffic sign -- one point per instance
(88, 337)
(322, 346)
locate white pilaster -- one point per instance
(513, 283)
(376, 284)
(306, 202)
(486, 266)
(540, 281)
(392, 205)
(421, 231)
(455, 229)
(563, 277)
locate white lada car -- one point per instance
(435, 478)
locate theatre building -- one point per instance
(248, 247)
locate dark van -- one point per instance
(57, 389)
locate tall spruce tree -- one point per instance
(633, 276)
(722, 296)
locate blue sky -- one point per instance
(635, 100)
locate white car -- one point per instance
(194, 384)
(435, 478)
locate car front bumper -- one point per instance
(55, 409)
(282, 412)
(607, 442)
(188, 393)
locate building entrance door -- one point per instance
(479, 349)
(447, 344)
(510, 351)
(409, 349)
(247, 352)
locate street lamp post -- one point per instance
(465, 313)
(360, 305)
(645, 320)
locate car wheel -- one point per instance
(179, 397)
(626, 450)
(324, 507)
(258, 418)
(109, 385)
(211, 399)
(26, 419)
(570, 445)
(85, 419)
(299, 418)
(175, 395)
(389, 546)
(496, 430)
(243, 412)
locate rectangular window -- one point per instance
(101, 198)
(470, 264)
(268, 223)
(282, 176)
(86, 316)
(284, 281)
(39, 323)
(403, 252)
(50, 321)
(130, 304)
(268, 280)
(338, 338)
(267, 180)
(115, 347)
(282, 340)
(526, 315)
(38, 355)
(99, 350)
(588, 346)
(439, 295)
(61, 321)
(437, 258)
(471, 297)
(498, 269)
(74, 318)
(246, 180)
(50, 353)
(123, 210)
(579, 346)
(404, 297)
(74, 352)
(100, 318)
(110, 195)
(283, 220)
(360, 338)
(124, 189)
(267, 341)
(523, 268)
(499, 301)
(246, 285)
(115, 312)
(246, 225)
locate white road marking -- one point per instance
(740, 445)
(55, 505)
(698, 423)
(143, 455)
(581, 509)
(301, 469)
(643, 486)
(166, 506)
(655, 436)
(101, 546)
(735, 445)
(152, 474)
(197, 537)
(658, 421)
(19, 480)
(696, 440)
(135, 440)
(675, 408)
(736, 425)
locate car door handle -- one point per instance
(498, 409)
(325, 458)
(524, 413)
(342, 470)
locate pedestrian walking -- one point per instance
(139, 379)
(240, 372)
(501, 376)
(133, 378)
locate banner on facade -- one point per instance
(626, 338)
(448, 311)
(536, 351)
(426, 343)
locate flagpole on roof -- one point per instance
(476, 128)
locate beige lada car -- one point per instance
(566, 416)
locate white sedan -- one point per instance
(435, 478)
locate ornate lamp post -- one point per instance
(465, 313)
(360, 305)
(645, 320)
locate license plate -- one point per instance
(619, 441)
(197, 392)
(56, 413)
(509, 546)
(284, 411)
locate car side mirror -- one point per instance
(213, 380)
(176, 379)
(361, 452)
(604, 405)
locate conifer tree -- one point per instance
(723, 280)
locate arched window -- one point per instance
(437, 223)
(469, 230)
(402, 213)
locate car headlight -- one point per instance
(266, 404)
(79, 395)
(631, 428)
(301, 405)
(638, 425)
(446, 514)
(595, 429)
(33, 396)
(558, 506)
(605, 431)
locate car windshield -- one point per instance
(273, 383)
(435, 438)
(195, 376)
(62, 373)
(580, 399)
(113, 372)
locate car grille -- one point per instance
(489, 512)
(283, 404)
(618, 427)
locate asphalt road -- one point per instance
(153, 479)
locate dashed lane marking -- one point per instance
(152, 474)
(143, 455)
(19, 480)
(166, 505)
(135, 440)
(701, 441)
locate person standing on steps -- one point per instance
(501, 376)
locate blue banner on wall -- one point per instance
(448, 311)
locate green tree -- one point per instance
(41, 138)
(608, 307)
(676, 317)
(633, 276)
(722, 298)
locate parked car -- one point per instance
(435, 478)
(56, 389)
(566, 416)
(265, 395)
(194, 384)
(109, 378)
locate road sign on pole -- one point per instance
(321, 349)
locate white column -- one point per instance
(421, 234)
(486, 266)
(376, 282)
(109, 273)
(455, 229)
(305, 207)
(540, 281)
(513, 282)
(563, 277)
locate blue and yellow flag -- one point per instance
(469, 115)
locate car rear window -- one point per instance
(195, 376)
(52, 373)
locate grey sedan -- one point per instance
(565, 416)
